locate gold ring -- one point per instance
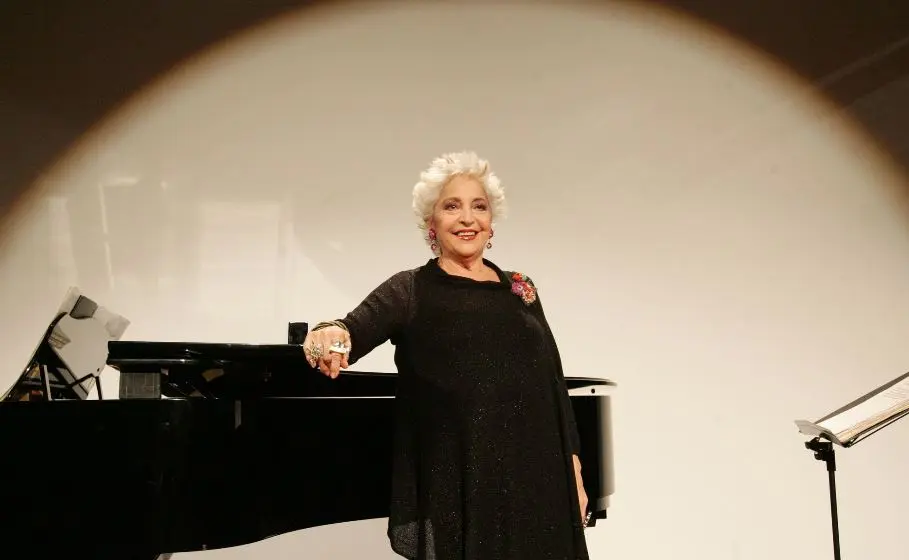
(315, 350)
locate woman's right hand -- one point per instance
(317, 347)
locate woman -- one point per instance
(486, 449)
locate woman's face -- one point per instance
(462, 219)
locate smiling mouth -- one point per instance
(466, 235)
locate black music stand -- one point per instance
(869, 414)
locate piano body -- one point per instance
(211, 446)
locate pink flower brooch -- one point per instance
(521, 286)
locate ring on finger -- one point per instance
(338, 347)
(315, 350)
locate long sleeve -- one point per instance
(381, 316)
(562, 387)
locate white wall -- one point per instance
(703, 231)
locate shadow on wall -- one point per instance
(885, 111)
(62, 79)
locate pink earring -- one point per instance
(433, 246)
(489, 243)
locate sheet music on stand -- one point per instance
(864, 416)
(851, 424)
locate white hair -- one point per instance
(445, 168)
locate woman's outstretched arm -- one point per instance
(381, 316)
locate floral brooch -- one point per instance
(522, 287)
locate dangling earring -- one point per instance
(433, 246)
(489, 243)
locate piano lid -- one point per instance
(71, 353)
(233, 370)
(133, 354)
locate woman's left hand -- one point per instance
(582, 494)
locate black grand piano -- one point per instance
(208, 446)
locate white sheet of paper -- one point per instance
(880, 403)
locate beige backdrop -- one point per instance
(704, 231)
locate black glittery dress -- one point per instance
(485, 432)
